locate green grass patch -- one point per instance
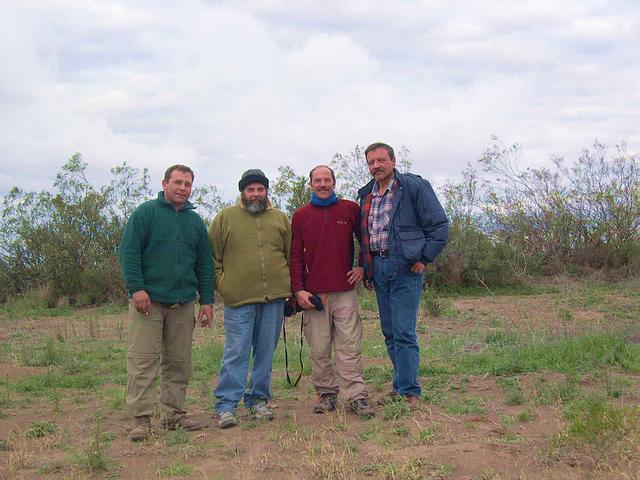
(41, 429)
(367, 300)
(41, 384)
(177, 469)
(470, 404)
(462, 291)
(177, 437)
(525, 416)
(551, 393)
(512, 389)
(426, 435)
(600, 424)
(395, 410)
(509, 355)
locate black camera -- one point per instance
(289, 310)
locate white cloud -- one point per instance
(226, 86)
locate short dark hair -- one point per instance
(377, 145)
(333, 174)
(180, 168)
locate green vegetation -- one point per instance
(41, 429)
(178, 469)
(487, 379)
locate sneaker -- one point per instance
(227, 420)
(183, 422)
(326, 403)
(361, 407)
(141, 429)
(260, 411)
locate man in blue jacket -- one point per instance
(403, 229)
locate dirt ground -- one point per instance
(428, 443)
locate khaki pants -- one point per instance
(338, 327)
(160, 341)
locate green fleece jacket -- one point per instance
(251, 255)
(166, 253)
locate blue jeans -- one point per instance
(398, 292)
(251, 331)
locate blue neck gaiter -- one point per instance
(319, 202)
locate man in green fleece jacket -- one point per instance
(250, 243)
(165, 257)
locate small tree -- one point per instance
(351, 172)
(290, 191)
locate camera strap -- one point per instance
(286, 353)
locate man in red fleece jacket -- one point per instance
(322, 257)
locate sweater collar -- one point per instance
(187, 205)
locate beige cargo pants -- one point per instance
(159, 342)
(338, 327)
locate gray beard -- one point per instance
(256, 206)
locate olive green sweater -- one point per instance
(251, 255)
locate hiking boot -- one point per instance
(326, 403)
(260, 411)
(361, 407)
(227, 420)
(413, 401)
(392, 396)
(141, 429)
(183, 422)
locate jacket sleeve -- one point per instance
(433, 221)
(357, 232)
(296, 264)
(131, 247)
(217, 243)
(287, 240)
(204, 267)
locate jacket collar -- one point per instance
(368, 188)
(187, 205)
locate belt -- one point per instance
(172, 306)
(381, 253)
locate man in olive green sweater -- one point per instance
(165, 257)
(250, 243)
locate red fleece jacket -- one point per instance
(322, 246)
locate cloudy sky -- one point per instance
(227, 86)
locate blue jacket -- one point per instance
(418, 225)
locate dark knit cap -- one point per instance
(253, 176)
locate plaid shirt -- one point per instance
(379, 217)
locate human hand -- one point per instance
(205, 315)
(142, 302)
(355, 275)
(418, 267)
(302, 297)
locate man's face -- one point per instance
(380, 164)
(178, 189)
(254, 197)
(322, 183)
